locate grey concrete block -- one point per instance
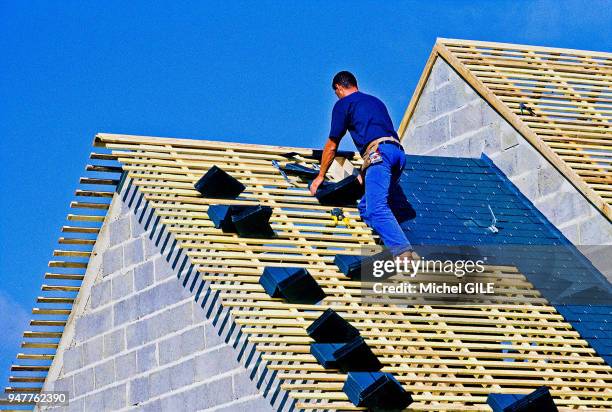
(217, 392)
(146, 358)
(193, 399)
(181, 316)
(199, 315)
(571, 233)
(133, 252)
(430, 135)
(115, 398)
(137, 227)
(508, 136)
(182, 375)
(126, 310)
(450, 97)
(162, 269)
(73, 359)
(549, 180)
(527, 158)
(170, 349)
(161, 296)
(563, 206)
(159, 382)
(146, 303)
(423, 112)
(137, 333)
(93, 350)
(506, 162)
(215, 362)
(243, 385)
(114, 343)
(76, 405)
(95, 402)
(458, 148)
(93, 323)
(119, 230)
(487, 140)
(595, 230)
(527, 183)
(125, 366)
(488, 115)
(138, 390)
(150, 250)
(122, 284)
(105, 373)
(124, 210)
(154, 406)
(465, 120)
(258, 404)
(171, 320)
(212, 337)
(65, 385)
(112, 260)
(85, 382)
(193, 340)
(100, 293)
(440, 73)
(173, 402)
(144, 275)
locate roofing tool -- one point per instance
(301, 171)
(526, 108)
(337, 215)
(317, 154)
(282, 172)
(493, 228)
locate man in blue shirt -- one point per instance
(370, 126)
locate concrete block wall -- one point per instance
(451, 119)
(149, 335)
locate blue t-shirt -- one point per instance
(364, 116)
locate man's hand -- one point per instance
(360, 179)
(315, 184)
(329, 152)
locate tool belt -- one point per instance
(372, 147)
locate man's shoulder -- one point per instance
(368, 98)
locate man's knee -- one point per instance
(378, 211)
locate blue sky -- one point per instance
(255, 72)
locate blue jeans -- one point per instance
(384, 198)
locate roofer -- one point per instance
(370, 126)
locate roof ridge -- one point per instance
(518, 46)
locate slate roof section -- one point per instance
(451, 199)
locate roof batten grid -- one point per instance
(567, 92)
(54, 305)
(451, 367)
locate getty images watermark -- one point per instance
(404, 267)
(488, 274)
(430, 280)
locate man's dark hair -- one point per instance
(344, 79)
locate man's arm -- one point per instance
(329, 153)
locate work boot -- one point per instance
(410, 255)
